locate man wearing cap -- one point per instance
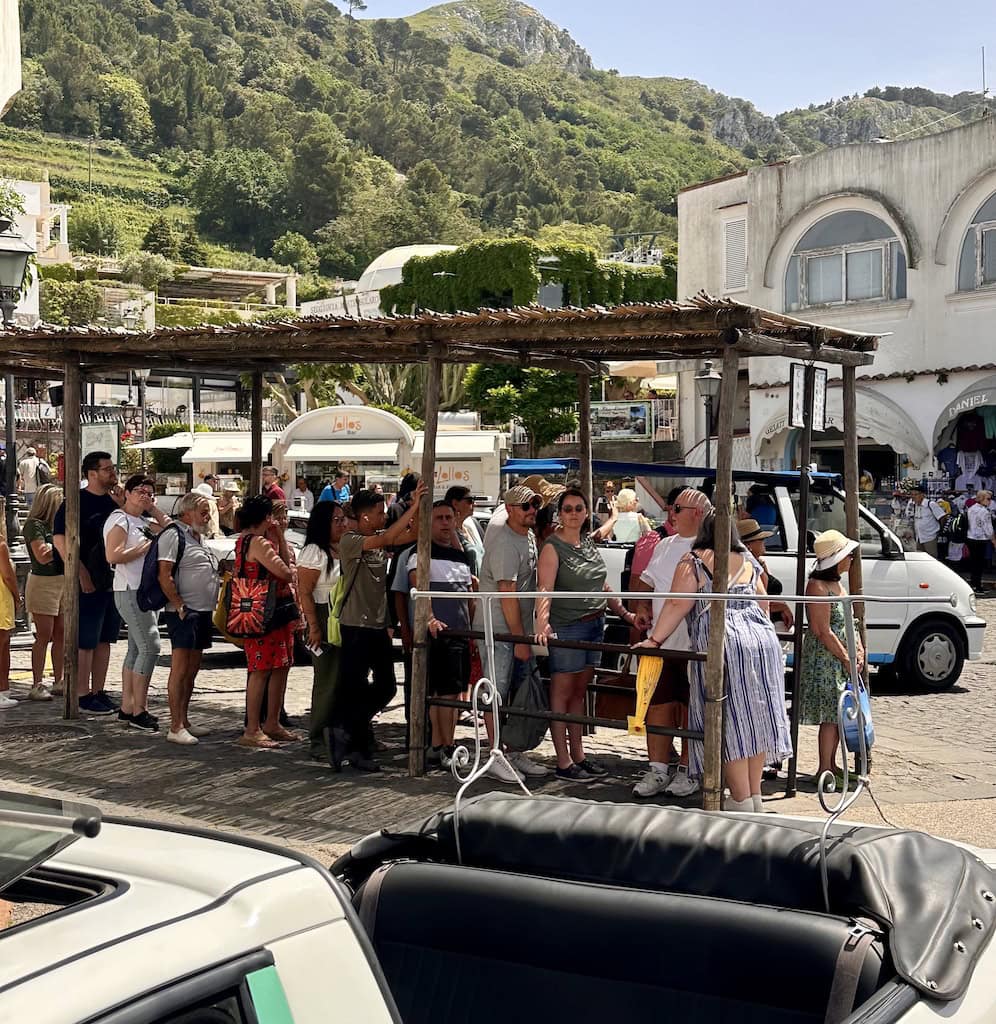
(669, 704)
(927, 517)
(509, 566)
(27, 468)
(538, 485)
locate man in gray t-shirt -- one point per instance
(509, 566)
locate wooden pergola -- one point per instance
(572, 340)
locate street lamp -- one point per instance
(143, 376)
(14, 254)
(707, 383)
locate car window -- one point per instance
(827, 512)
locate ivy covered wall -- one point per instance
(495, 273)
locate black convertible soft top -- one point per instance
(934, 900)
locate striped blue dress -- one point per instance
(756, 721)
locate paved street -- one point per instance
(935, 763)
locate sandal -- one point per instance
(257, 740)
(282, 735)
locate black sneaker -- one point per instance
(101, 698)
(574, 774)
(92, 706)
(594, 770)
(336, 743)
(362, 763)
(144, 721)
(125, 719)
(434, 756)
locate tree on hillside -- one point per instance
(320, 176)
(540, 400)
(124, 110)
(161, 238)
(147, 269)
(355, 5)
(239, 194)
(192, 250)
(94, 229)
(294, 250)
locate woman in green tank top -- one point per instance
(570, 561)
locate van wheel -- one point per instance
(933, 656)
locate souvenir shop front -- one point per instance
(965, 440)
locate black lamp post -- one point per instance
(14, 254)
(707, 384)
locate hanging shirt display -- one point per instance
(971, 463)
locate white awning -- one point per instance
(210, 446)
(342, 450)
(451, 445)
(181, 440)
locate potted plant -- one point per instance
(11, 205)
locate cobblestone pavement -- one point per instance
(934, 766)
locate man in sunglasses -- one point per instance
(669, 704)
(509, 566)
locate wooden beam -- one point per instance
(71, 402)
(715, 672)
(761, 345)
(855, 582)
(584, 437)
(798, 651)
(423, 608)
(256, 429)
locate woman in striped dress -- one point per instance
(756, 726)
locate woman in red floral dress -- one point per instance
(261, 551)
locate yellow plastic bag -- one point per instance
(220, 616)
(648, 672)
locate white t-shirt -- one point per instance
(28, 468)
(980, 523)
(129, 575)
(927, 518)
(312, 557)
(303, 499)
(659, 574)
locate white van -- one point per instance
(926, 645)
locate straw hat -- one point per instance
(751, 529)
(519, 495)
(831, 548)
(232, 487)
(547, 491)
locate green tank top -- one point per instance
(583, 571)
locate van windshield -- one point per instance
(827, 512)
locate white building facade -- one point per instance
(895, 238)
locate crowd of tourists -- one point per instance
(346, 595)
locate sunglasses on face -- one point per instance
(534, 503)
(572, 508)
(684, 508)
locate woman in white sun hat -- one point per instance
(825, 665)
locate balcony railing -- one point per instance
(42, 417)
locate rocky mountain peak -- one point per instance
(509, 25)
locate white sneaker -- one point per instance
(742, 806)
(652, 783)
(181, 736)
(524, 766)
(39, 692)
(6, 701)
(682, 784)
(500, 771)
(198, 730)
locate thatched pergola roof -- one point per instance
(576, 340)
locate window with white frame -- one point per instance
(977, 266)
(849, 256)
(735, 255)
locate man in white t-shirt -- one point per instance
(669, 705)
(27, 468)
(927, 516)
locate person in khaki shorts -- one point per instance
(45, 590)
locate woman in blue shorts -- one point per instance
(570, 561)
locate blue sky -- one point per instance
(778, 54)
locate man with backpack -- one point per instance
(928, 518)
(188, 577)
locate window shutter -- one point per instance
(735, 255)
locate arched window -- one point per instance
(846, 257)
(977, 266)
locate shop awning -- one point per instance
(209, 446)
(343, 450)
(460, 446)
(181, 440)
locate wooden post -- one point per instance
(423, 608)
(256, 426)
(715, 674)
(584, 437)
(855, 583)
(800, 575)
(71, 401)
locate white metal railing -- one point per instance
(485, 693)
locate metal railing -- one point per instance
(485, 693)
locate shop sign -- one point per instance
(457, 474)
(966, 403)
(348, 423)
(620, 421)
(100, 437)
(797, 398)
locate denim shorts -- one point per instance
(194, 632)
(99, 620)
(564, 660)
